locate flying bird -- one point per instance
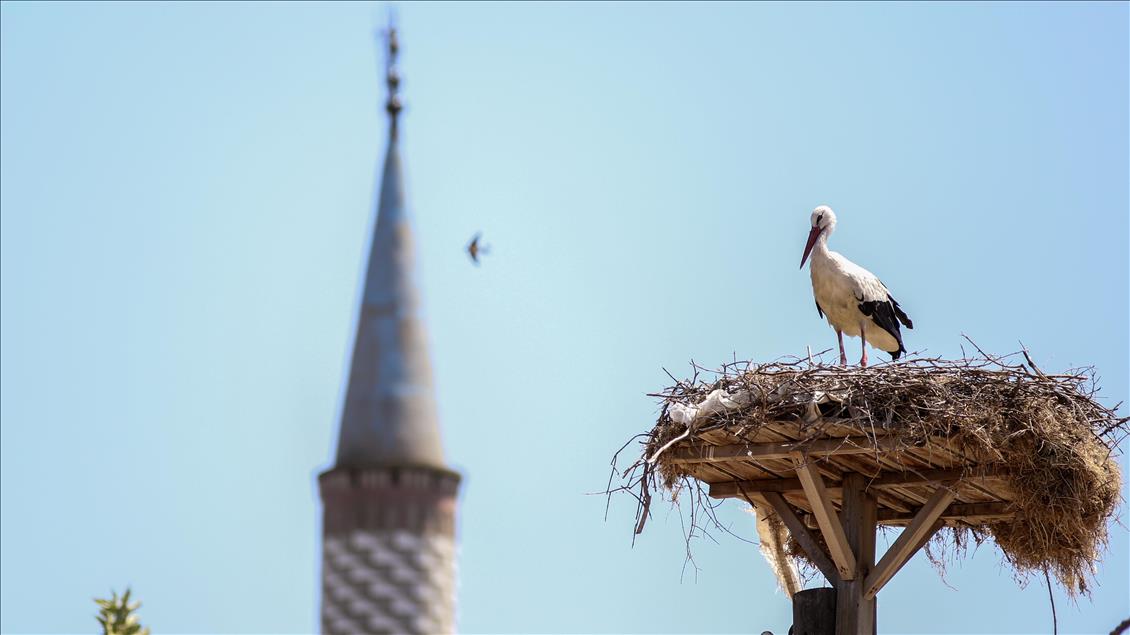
(474, 249)
(852, 299)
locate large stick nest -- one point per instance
(1056, 440)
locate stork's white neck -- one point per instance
(820, 249)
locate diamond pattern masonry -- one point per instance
(388, 582)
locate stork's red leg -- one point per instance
(863, 345)
(840, 339)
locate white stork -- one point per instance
(851, 297)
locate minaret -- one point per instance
(388, 555)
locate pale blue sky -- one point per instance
(186, 190)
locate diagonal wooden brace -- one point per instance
(803, 536)
(923, 526)
(826, 516)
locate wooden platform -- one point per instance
(831, 484)
(923, 444)
(737, 463)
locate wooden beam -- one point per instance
(910, 540)
(734, 489)
(803, 536)
(826, 516)
(702, 453)
(938, 475)
(920, 544)
(884, 479)
(855, 613)
(957, 511)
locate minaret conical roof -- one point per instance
(389, 417)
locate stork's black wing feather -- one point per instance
(899, 313)
(883, 314)
(819, 310)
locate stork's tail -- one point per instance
(772, 534)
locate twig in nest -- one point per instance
(645, 504)
(1031, 363)
(1051, 598)
(983, 353)
(660, 451)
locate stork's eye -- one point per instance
(819, 218)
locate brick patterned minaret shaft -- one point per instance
(388, 559)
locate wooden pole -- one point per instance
(855, 613)
(814, 612)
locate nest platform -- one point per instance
(949, 450)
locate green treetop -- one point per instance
(117, 617)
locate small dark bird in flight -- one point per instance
(475, 249)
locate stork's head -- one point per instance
(823, 223)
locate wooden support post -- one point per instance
(912, 538)
(814, 612)
(803, 536)
(825, 514)
(855, 613)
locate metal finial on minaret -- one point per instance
(392, 77)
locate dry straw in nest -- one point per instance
(1056, 440)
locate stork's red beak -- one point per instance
(812, 236)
